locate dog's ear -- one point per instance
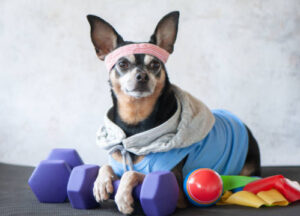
(104, 37)
(166, 31)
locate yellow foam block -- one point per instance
(245, 198)
(273, 197)
(224, 197)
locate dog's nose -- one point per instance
(142, 77)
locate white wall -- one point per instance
(240, 55)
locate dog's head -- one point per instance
(140, 75)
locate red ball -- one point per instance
(204, 187)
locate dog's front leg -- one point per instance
(123, 198)
(103, 186)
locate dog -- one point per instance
(152, 118)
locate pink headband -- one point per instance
(145, 48)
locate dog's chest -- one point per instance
(135, 158)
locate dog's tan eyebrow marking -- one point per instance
(148, 59)
(130, 58)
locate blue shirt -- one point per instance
(224, 150)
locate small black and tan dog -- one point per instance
(143, 98)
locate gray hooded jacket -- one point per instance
(189, 124)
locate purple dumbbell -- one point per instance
(80, 186)
(158, 194)
(50, 178)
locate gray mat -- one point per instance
(17, 199)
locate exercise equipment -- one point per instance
(158, 194)
(203, 187)
(50, 178)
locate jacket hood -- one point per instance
(191, 122)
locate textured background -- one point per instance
(243, 56)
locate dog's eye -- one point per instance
(124, 64)
(154, 65)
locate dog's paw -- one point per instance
(124, 201)
(102, 189)
(123, 198)
(103, 186)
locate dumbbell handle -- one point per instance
(136, 190)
